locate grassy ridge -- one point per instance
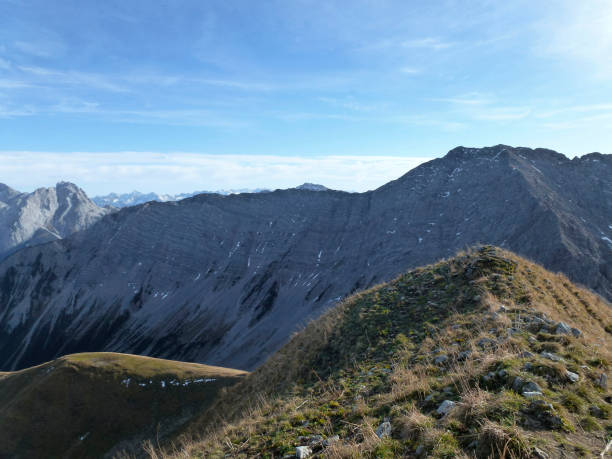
(83, 405)
(368, 378)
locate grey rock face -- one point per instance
(445, 407)
(563, 329)
(518, 384)
(47, 214)
(603, 381)
(573, 377)
(302, 452)
(441, 359)
(225, 280)
(384, 430)
(551, 356)
(531, 387)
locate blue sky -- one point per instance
(105, 93)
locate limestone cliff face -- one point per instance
(47, 214)
(226, 279)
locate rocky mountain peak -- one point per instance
(6, 192)
(312, 187)
(43, 215)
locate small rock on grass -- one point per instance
(302, 452)
(517, 384)
(539, 454)
(441, 359)
(445, 407)
(594, 410)
(573, 377)
(384, 430)
(603, 381)
(550, 356)
(531, 387)
(331, 440)
(563, 329)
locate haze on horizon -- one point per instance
(179, 96)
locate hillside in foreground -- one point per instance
(483, 355)
(86, 405)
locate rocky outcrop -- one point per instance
(227, 279)
(47, 214)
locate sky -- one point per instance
(183, 95)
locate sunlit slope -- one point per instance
(83, 405)
(483, 355)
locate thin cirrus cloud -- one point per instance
(580, 32)
(101, 173)
(433, 43)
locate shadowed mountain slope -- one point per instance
(227, 279)
(87, 405)
(482, 355)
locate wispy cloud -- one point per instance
(579, 32)
(58, 77)
(350, 103)
(503, 113)
(47, 49)
(602, 120)
(433, 43)
(100, 173)
(572, 109)
(13, 84)
(470, 99)
(485, 107)
(410, 70)
(401, 43)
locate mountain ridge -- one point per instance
(226, 279)
(97, 404)
(480, 355)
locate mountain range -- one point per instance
(227, 279)
(136, 197)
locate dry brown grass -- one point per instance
(415, 424)
(502, 442)
(528, 290)
(473, 406)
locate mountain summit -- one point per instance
(312, 187)
(45, 215)
(225, 280)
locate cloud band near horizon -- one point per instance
(122, 172)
